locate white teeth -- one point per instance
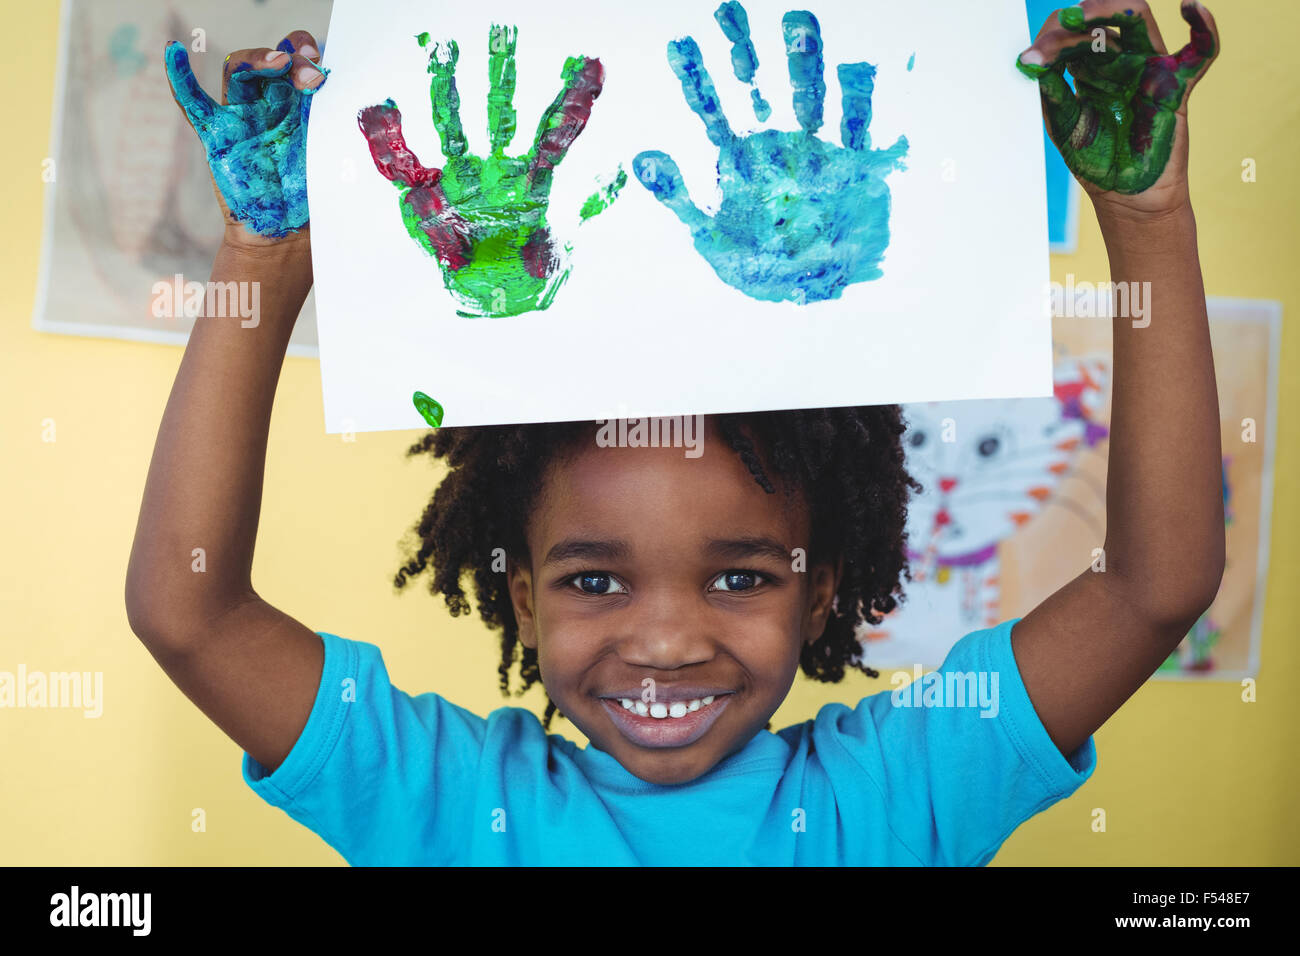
(677, 709)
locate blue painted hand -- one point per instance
(256, 144)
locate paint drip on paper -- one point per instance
(428, 408)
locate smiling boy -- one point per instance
(695, 593)
(696, 588)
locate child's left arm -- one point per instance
(1089, 646)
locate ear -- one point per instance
(823, 583)
(519, 582)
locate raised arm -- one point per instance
(252, 669)
(1089, 646)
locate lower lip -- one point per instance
(665, 731)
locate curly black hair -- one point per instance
(847, 462)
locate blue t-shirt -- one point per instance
(906, 777)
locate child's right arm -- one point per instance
(251, 668)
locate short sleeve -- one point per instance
(375, 769)
(959, 757)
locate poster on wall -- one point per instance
(130, 212)
(765, 207)
(1014, 504)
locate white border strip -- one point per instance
(56, 152)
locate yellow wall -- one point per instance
(1188, 774)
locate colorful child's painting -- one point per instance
(708, 208)
(129, 199)
(123, 129)
(1014, 499)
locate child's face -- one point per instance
(662, 579)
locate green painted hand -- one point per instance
(1125, 118)
(484, 219)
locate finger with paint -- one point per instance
(660, 174)
(255, 140)
(484, 218)
(1117, 128)
(803, 46)
(306, 72)
(687, 62)
(564, 120)
(734, 22)
(244, 72)
(426, 209)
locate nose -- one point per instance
(666, 631)
(947, 484)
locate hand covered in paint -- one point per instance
(1123, 129)
(800, 218)
(256, 138)
(484, 219)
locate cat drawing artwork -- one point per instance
(987, 469)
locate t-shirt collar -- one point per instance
(763, 749)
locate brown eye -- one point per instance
(597, 582)
(736, 581)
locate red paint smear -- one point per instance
(576, 108)
(382, 126)
(1160, 84)
(449, 233)
(1202, 44)
(445, 228)
(539, 259)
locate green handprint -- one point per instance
(1116, 128)
(485, 219)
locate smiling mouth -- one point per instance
(664, 724)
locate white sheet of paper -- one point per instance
(644, 326)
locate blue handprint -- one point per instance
(800, 218)
(256, 144)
